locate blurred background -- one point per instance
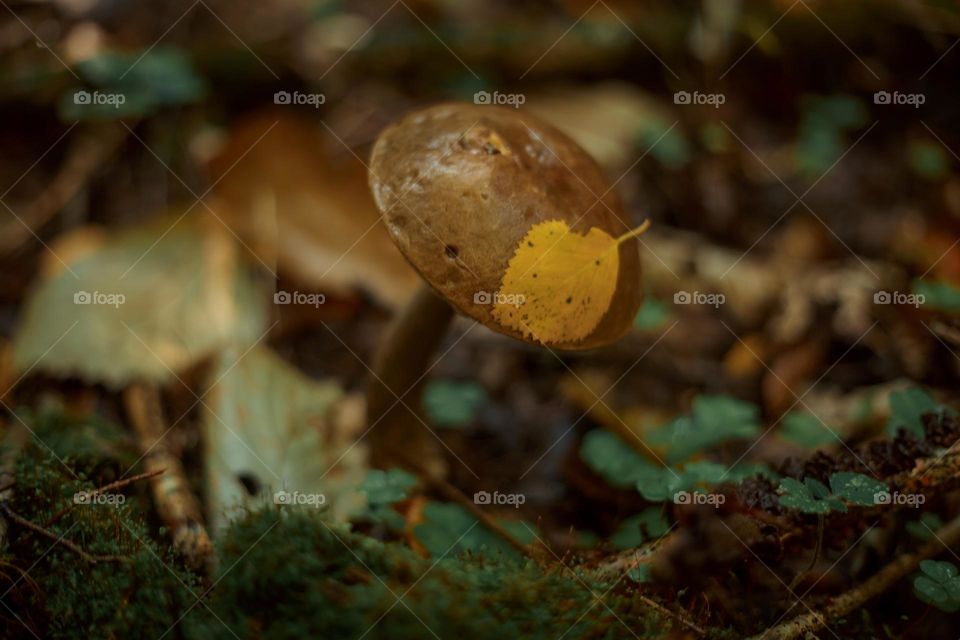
(167, 167)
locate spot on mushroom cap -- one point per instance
(459, 187)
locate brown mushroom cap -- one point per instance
(460, 185)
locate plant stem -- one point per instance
(398, 432)
(176, 505)
(633, 233)
(810, 623)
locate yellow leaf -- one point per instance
(559, 283)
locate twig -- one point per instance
(87, 154)
(92, 559)
(843, 605)
(673, 614)
(816, 554)
(453, 493)
(108, 487)
(176, 505)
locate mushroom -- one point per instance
(459, 186)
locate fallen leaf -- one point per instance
(270, 428)
(308, 213)
(559, 283)
(146, 303)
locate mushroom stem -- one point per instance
(633, 233)
(398, 434)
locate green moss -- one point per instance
(325, 581)
(280, 573)
(56, 593)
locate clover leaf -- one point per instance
(450, 403)
(939, 585)
(809, 496)
(387, 487)
(907, 408)
(857, 488)
(714, 419)
(614, 460)
(924, 528)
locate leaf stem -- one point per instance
(633, 233)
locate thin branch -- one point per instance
(453, 493)
(46, 533)
(845, 604)
(672, 614)
(84, 158)
(176, 505)
(108, 487)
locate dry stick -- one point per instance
(453, 493)
(178, 508)
(92, 559)
(86, 155)
(846, 603)
(672, 614)
(107, 487)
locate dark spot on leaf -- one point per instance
(569, 299)
(451, 251)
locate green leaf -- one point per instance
(821, 138)
(146, 81)
(940, 571)
(386, 487)
(639, 574)
(857, 488)
(636, 530)
(939, 585)
(924, 528)
(906, 408)
(805, 429)
(714, 420)
(928, 159)
(938, 295)
(658, 484)
(652, 313)
(449, 530)
(809, 496)
(817, 489)
(613, 459)
(450, 403)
